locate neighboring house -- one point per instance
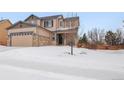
(38, 31)
(4, 24)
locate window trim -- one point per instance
(48, 23)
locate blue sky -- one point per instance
(88, 20)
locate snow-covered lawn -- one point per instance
(53, 62)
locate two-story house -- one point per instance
(4, 24)
(49, 30)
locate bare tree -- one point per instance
(96, 36)
(119, 36)
(90, 36)
(102, 36)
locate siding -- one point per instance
(3, 32)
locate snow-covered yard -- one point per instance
(52, 62)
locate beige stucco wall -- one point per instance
(72, 23)
(53, 41)
(43, 38)
(43, 32)
(35, 21)
(70, 37)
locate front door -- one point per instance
(60, 39)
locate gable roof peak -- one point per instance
(32, 15)
(4, 20)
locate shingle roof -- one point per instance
(19, 23)
(32, 25)
(69, 18)
(6, 20)
(50, 17)
(43, 18)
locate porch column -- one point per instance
(10, 40)
(55, 38)
(64, 38)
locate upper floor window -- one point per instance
(61, 24)
(48, 23)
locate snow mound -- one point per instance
(52, 62)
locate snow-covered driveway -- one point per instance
(52, 62)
